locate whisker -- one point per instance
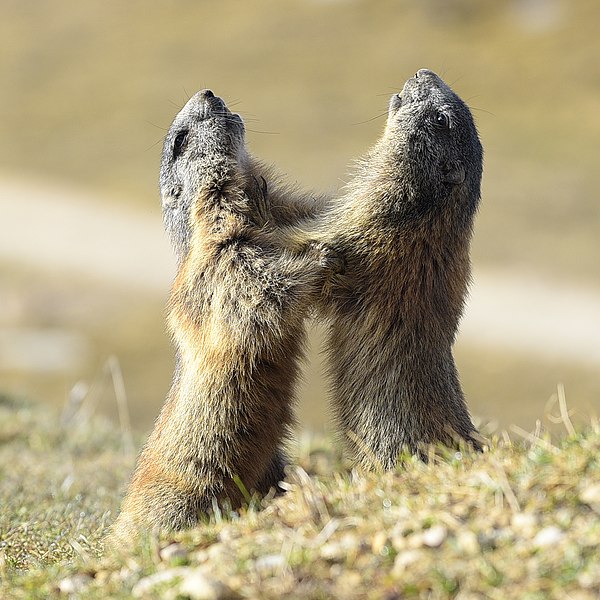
(391, 91)
(372, 119)
(230, 119)
(157, 126)
(489, 112)
(468, 100)
(455, 81)
(263, 132)
(161, 140)
(247, 120)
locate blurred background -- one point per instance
(88, 90)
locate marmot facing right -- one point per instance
(287, 204)
(236, 314)
(404, 228)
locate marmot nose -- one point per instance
(424, 73)
(207, 94)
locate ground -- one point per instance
(518, 521)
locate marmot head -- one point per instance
(203, 140)
(434, 144)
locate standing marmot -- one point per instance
(236, 314)
(287, 204)
(404, 228)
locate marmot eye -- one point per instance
(178, 143)
(441, 120)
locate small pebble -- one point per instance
(434, 536)
(218, 552)
(196, 585)
(524, 524)
(103, 577)
(74, 583)
(339, 549)
(270, 565)
(415, 540)
(406, 559)
(582, 595)
(351, 580)
(228, 533)
(469, 596)
(467, 541)
(398, 542)
(332, 551)
(380, 539)
(548, 536)
(145, 585)
(335, 571)
(588, 579)
(591, 494)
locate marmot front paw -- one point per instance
(328, 257)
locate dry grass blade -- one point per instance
(506, 489)
(121, 396)
(564, 413)
(534, 438)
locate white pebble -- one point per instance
(524, 524)
(74, 584)
(406, 559)
(468, 542)
(145, 585)
(198, 586)
(271, 564)
(195, 584)
(548, 536)
(591, 494)
(173, 552)
(434, 536)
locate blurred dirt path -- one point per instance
(66, 230)
(69, 230)
(523, 312)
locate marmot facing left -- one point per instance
(236, 315)
(404, 228)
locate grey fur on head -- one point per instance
(432, 141)
(204, 132)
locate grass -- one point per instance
(59, 484)
(519, 521)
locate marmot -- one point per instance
(287, 205)
(236, 314)
(404, 228)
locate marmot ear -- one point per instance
(453, 172)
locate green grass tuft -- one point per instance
(518, 521)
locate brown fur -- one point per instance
(404, 227)
(236, 314)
